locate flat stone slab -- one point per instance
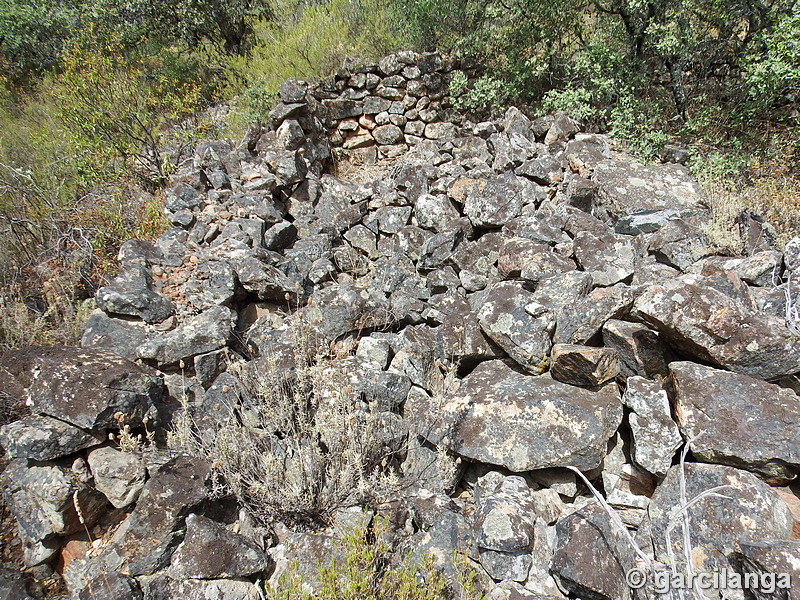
(502, 417)
(86, 387)
(738, 420)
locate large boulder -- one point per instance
(716, 325)
(626, 187)
(85, 387)
(741, 510)
(738, 420)
(501, 417)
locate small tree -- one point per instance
(115, 110)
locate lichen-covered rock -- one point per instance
(210, 551)
(609, 259)
(743, 510)
(489, 202)
(501, 417)
(206, 332)
(640, 349)
(118, 475)
(43, 499)
(84, 387)
(655, 434)
(737, 420)
(580, 321)
(41, 438)
(713, 326)
(627, 187)
(773, 561)
(518, 324)
(163, 587)
(591, 558)
(131, 293)
(146, 540)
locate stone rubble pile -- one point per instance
(590, 320)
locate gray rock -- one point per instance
(145, 541)
(709, 324)
(512, 318)
(206, 332)
(291, 134)
(522, 423)
(562, 128)
(210, 551)
(212, 283)
(559, 291)
(439, 131)
(583, 365)
(504, 520)
(489, 203)
(609, 259)
(544, 170)
(680, 243)
(655, 434)
(627, 187)
(591, 558)
(264, 280)
(545, 264)
(392, 218)
(121, 336)
(131, 293)
(374, 105)
(12, 585)
(438, 249)
(118, 475)
(645, 221)
(287, 165)
(471, 150)
(111, 586)
(744, 510)
(280, 235)
(791, 254)
(43, 438)
(181, 197)
(340, 204)
(343, 308)
(293, 90)
(738, 420)
(162, 587)
(640, 349)
(43, 497)
(389, 134)
(508, 566)
(583, 319)
(434, 212)
(516, 253)
(773, 561)
(84, 387)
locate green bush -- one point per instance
(371, 571)
(305, 41)
(484, 94)
(115, 110)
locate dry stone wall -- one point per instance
(588, 318)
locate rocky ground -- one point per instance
(514, 295)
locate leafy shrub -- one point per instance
(370, 571)
(484, 94)
(115, 109)
(306, 41)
